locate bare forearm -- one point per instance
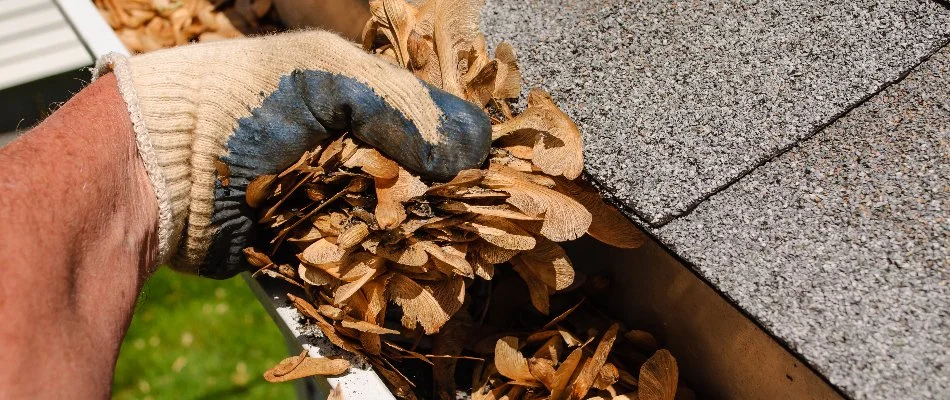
(76, 240)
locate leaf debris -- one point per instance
(395, 266)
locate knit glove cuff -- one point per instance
(156, 163)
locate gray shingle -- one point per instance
(677, 98)
(841, 246)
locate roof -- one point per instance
(794, 153)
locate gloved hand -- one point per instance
(256, 105)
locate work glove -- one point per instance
(254, 106)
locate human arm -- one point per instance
(77, 241)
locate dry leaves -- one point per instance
(658, 377)
(452, 258)
(564, 368)
(146, 25)
(302, 366)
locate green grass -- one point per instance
(194, 338)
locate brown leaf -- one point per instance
(608, 225)
(508, 80)
(259, 189)
(412, 254)
(538, 291)
(410, 226)
(549, 263)
(472, 59)
(367, 327)
(410, 353)
(388, 53)
(465, 179)
(451, 235)
(643, 340)
(277, 275)
(564, 373)
(375, 294)
(223, 172)
(543, 371)
(330, 332)
(372, 162)
(626, 396)
(540, 335)
(482, 268)
(658, 377)
(501, 233)
(391, 193)
(323, 223)
(331, 153)
(452, 255)
(297, 367)
(303, 306)
(322, 252)
(479, 87)
(563, 315)
(305, 235)
(488, 393)
(352, 235)
(371, 29)
(302, 163)
(423, 60)
(331, 312)
(426, 273)
(398, 16)
(564, 218)
(493, 254)
(588, 373)
(350, 147)
(510, 362)
(608, 375)
(557, 148)
(455, 27)
(536, 178)
(501, 210)
(431, 305)
(519, 144)
(501, 156)
(256, 258)
(365, 267)
(316, 276)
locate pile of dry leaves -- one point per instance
(146, 25)
(426, 280)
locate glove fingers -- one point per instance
(341, 102)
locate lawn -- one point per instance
(194, 338)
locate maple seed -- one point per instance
(658, 377)
(302, 366)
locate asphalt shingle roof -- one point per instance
(841, 246)
(679, 98)
(795, 153)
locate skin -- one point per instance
(78, 240)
